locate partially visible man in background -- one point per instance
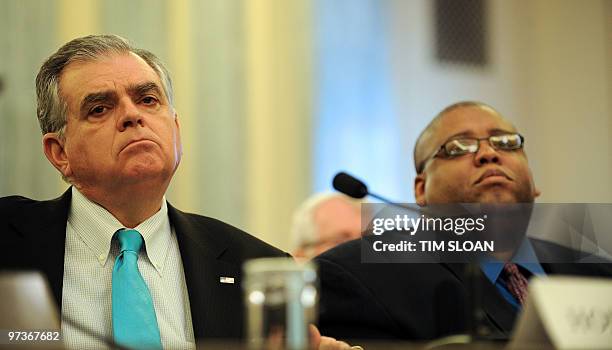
(322, 222)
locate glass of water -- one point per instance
(281, 302)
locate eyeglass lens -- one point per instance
(471, 145)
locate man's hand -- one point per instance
(319, 342)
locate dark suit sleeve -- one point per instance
(347, 308)
(386, 300)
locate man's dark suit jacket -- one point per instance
(34, 234)
(410, 301)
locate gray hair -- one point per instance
(51, 108)
(304, 228)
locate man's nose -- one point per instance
(130, 116)
(486, 154)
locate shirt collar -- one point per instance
(525, 257)
(96, 227)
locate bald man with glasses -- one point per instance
(468, 153)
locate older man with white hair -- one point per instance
(124, 265)
(324, 221)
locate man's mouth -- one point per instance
(137, 142)
(493, 175)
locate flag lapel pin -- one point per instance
(228, 280)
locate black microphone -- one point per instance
(349, 185)
(355, 188)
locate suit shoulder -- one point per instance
(15, 202)
(17, 206)
(346, 253)
(347, 257)
(24, 208)
(237, 235)
(242, 243)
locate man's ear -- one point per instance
(53, 146)
(419, 189)
(178, 138)
(534, 189)
(176, 122)
(536, 192)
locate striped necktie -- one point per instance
(516, 282)
(134, 320)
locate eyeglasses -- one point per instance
(458, 147)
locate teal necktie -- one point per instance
(134, 320)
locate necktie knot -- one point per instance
(129, 240)
(511, 269)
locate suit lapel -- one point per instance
(214, 310)
(499, 312)
(43, 224)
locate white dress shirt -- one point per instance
(88, 269)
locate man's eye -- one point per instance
(149, 100)
(97, 110)
(460, 146)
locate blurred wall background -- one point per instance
(275, 96)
